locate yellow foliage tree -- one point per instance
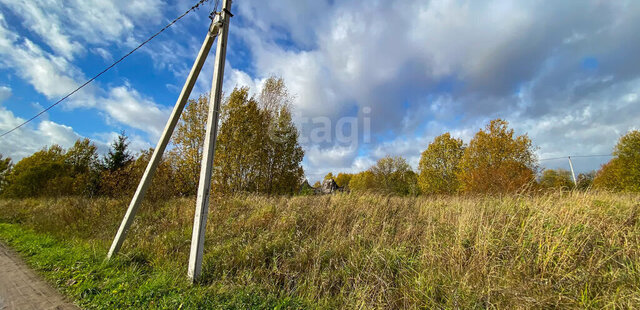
(281, 172)
(238, 158)
(627, 151)
(44, 173)
(623, 171)
(440, 164)
(188, 140)
(329, 176)
(390, 175)
(497, 161)
(556, 179)
(123, 182)
(363, 182)
(609, 175)
(343, 179)
(55, 172)
(258, 148)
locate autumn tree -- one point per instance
(623, 171)
(497, 161)
(440, 165)
(54, 171)
(188, 140)
(409, 184)
(240, 141)
(343, 179)
(393, 174)
(118, 178)
(609, 176)
(329, 176)
(390, 175)
(628, 153)
(257, 148)
(283, 153)
(44, 173)
(161, 187)
(363, 182)
(556, 179)
(84, 167)
(82, 156)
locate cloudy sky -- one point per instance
(567, 73)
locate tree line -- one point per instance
(257, 151)
(496, 161)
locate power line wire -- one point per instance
(575, 156)
(213, 12)
(193, 8)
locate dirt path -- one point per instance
(21, 288)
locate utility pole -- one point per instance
(204, 184)
(164, 140)
(219, 28)
(573, 174)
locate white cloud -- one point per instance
(49, 75)
(427, 67)
(46, 25)
(300, 19)
(103, 53)
(67, 29)
(27, 140)
(55, 77)
(57, 133)
(335, 156)
(127, 106)
(237, 78)
(67, 26)
(5, 93)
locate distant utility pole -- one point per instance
(573, 174)
(219, 28)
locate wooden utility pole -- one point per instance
(204, 185)
(575, 183)
(219, 28)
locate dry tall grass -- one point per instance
(365, 251)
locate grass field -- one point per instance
(568, 250)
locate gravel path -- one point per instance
(21, 288)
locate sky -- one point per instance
(369, 78)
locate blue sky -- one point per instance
(566, 72)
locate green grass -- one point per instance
(78, 269)
(575, 250)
